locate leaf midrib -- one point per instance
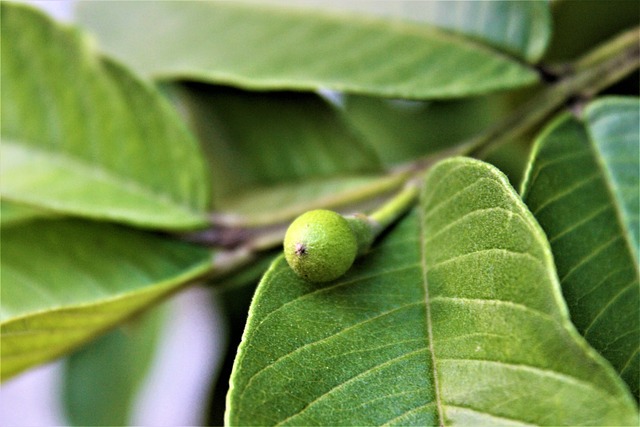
(343, 384)
(428, 319)
(534, 228)
(356, 325)
(618, 205)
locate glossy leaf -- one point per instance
(255, 141)
(583, 187)
(66, 281)
(454, 317)
(522, 28)
(259, 46)
(102, 379)
(82, 136)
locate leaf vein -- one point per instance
(331, 288)
(409, 412)
(589, 257)
(566, 192)
(488, 250)
(290, 354)
(584, 220)
(496, 417)
(609, 303)
(534, 370)
(496, 302)
(340, 386)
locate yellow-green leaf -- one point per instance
(66, 281)
(82, 136)
(258, 46)
(522, 28)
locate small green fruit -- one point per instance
(320, 246)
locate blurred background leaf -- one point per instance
(89, 277)
(258, 46)
(14, 213)
(256, 139)
(274, 155)
(81, 135)
(401, 130)
(521, 28)
(102, 380)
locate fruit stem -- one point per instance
(394, 208)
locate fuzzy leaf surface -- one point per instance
(66, 281)
(258, 46)
(583, 187)
(454, 318)
(82, 136)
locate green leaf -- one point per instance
(66, 281)
(454, 317)
(583, 187)
(81, 135)
(102, 379)
(259, 46)
(258, 140)
(522, 28)
(400, 131)
(12, 213)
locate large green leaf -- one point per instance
(260, 46)
(102, 380)
(583, 187)
(455, 317)
(522, 28)
(81, 135)
(255, 141)
(65, 281)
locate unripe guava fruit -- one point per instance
(320, 246)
